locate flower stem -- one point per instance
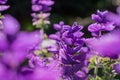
(96, 68)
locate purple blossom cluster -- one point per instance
(71, 57)
(41, 10)
(102, 44)
(102, 24)
(70, 51)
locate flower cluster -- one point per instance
(104, 45)
(41, 10)
(102, 24)
(69, 51)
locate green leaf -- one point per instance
(92, 62)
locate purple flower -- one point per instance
(3, 6)
(96, 28)
(107, 45)
(43, 74)
(10, 25)
(19, 49)
(41, 10)
(43, 66)
(102, 24)
(36, 61)
(68, 35)
(114, 17)
(44, 4)
(16, 45)
(3, 1)
(69, 50)
(100, 17)
(3, 41)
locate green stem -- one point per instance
(95, 72)
(96, 68)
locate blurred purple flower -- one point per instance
(42, 71)
(3, 1)
(19, 48)
(16, 45)
(114, 17)
(3, 41)
(107, 45)
(43, 74)
(10, 25)
(3, 6)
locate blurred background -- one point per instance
(63, 10)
